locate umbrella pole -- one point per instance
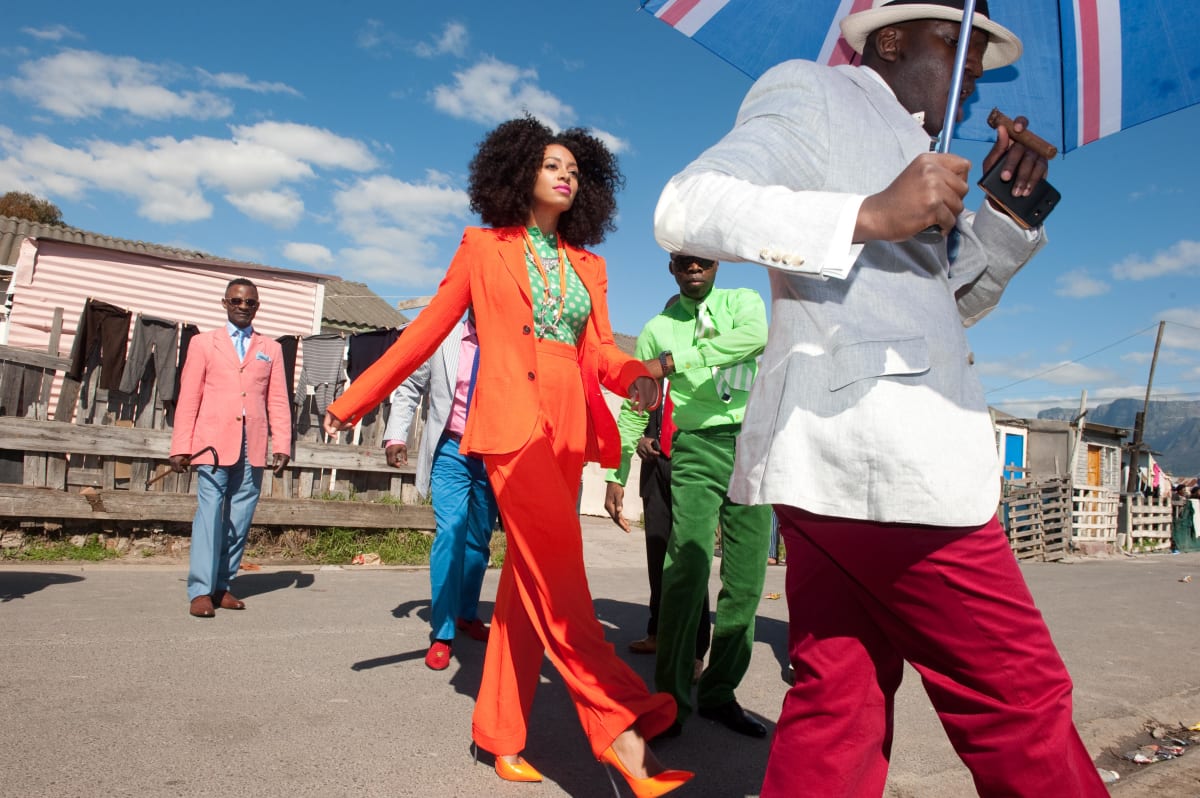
(933, 234)
(960, 61)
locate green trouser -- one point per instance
(701, 465)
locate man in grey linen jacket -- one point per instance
(867, 428)
(464, 507)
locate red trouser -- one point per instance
(543, 605)
(863, 598)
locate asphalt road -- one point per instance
(109, 688)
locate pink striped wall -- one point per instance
(52, 274)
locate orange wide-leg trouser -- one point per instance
(543, 604)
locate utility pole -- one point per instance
(1139, 423)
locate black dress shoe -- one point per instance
(732, 716)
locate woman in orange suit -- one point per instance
(536, 415)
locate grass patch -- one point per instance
(338, 545)
(46, 550)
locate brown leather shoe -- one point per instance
(227, 601)
(647, 645)
(201, 607)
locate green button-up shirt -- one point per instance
(740, 319)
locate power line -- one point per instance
(1076, 360)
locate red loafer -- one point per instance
(438, 656)
(476, 629)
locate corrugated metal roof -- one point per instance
(348, 306)
(13, 231)
(352, 307)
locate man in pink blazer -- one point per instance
(232, 396)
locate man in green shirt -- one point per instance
(706, 345)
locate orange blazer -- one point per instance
(488, 274)
(216, 388)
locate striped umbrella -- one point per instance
(1090, 68)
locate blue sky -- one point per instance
(337, 140)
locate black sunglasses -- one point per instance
(237, 302)
(683, 260)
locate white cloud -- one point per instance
(1078, 284)
(52, 33)
(315, 255)
(1165, 357)
(1184, 334)
(392, 224)
(168, 178)
(452, 41)
(492, 91)
(1061, 373)
(236, 80)
(411, 205)
(281, 209)
(77, 84)
(375, 37)
(411, 261)
(615, 143)
(1181, 258)
(310, 144)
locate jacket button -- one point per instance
(764, 254)
(237, 418)
(526, 329)
(243, 393)
(530, 376)
(970, 358)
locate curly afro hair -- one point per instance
(505, 168)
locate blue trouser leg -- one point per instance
(245, 486)
(225, 502)
(464, 511)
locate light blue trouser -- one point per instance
(225, 502)
(464, 511)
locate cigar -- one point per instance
(1028, 138)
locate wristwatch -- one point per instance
(662, 361)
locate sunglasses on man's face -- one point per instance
(682, 262)
(237, 302)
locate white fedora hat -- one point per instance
(1003, 45)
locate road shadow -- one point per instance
(246, 585)
(555, 744)
(19, 584)
(626, 622)
(421, 607)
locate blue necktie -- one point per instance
(241, 344)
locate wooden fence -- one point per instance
(1037, 517)
(96, 465)
(1094, 514)
(1146, 523)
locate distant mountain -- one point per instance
(1172, 429)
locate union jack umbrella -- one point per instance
(1090, 67)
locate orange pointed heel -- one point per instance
(649, 787)
(521, 771)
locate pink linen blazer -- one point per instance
(215, 388)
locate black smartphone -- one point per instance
(1029, 212)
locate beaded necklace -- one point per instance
(549, 304)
